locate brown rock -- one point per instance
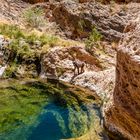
(78, 19)
(62, 58)
(123, 115)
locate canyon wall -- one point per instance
(122, 115)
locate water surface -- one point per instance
(41, 111)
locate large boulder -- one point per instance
(122, 116)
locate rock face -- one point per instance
(123, 115)
(78, 19)
(10, 11)
(59, 60)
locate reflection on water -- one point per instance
(29, 113)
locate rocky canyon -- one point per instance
(70, 70)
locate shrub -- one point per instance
(34, 17)
(43, 39)
(48, 39)
(10, 71)
(93, 40)
(81, 24)
(24, 51)
(31, 38)
(14, 45)
(11, 31)
(23, 47)
(28, 39)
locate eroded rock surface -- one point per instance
(60, 59)
(123, 114)
(10, 10)
(78, 19)
(59, 63)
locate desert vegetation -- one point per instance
(34, 17)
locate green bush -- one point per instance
(17, 35)
(10, 71)
(14, 45)
(11, 31)
(24, 46)
(31, 38)
(25, 51)
(48, 39)
(93, 40)
(34, 17)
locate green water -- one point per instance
(40, 111)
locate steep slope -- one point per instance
(10, 11)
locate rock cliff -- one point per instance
(78, 19)
(123, 114)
